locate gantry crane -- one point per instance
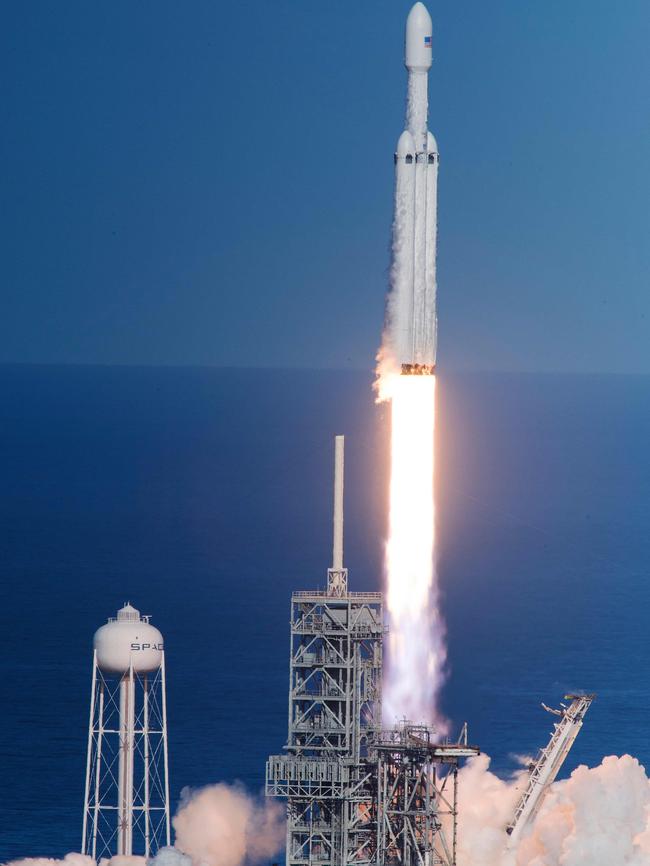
(544, 769)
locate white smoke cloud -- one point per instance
(171, 857)
(221, 825)
(485, 805)
(68, 860)
(74, 859)
(123, 860)
(600, 816)
(386, 373)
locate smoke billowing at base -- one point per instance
(221, 825)
(597, 817)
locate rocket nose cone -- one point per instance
(417, 48)
(419, 10)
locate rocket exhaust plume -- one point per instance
(406, 378)
(416, 649)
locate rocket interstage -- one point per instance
(411, 327)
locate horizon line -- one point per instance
(294, 369)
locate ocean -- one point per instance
(203, 497)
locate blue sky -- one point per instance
(211, 183)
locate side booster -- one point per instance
(413, 307)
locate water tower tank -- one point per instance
(127, 640)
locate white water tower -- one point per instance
(126, 806)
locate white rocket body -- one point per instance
(412, 323)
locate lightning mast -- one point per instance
(337, 576)
(544, 770)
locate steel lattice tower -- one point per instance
(356, 794)
(416, 796)
(335, 667)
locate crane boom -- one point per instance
(546, 766)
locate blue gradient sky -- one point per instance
(210, 183)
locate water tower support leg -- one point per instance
(98, 766)
(145, 733)
(165, 753)
(89, 755)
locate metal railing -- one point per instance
(322, 593)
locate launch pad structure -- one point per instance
(543, 771)
(356, 794)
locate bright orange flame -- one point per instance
(416, 656)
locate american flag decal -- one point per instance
(427, 41)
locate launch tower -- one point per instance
(126, 804)
(356, 794)
(335, 666)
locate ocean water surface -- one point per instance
(203, 496)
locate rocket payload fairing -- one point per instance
(412, 325)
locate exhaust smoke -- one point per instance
(221, 825)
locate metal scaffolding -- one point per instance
(356, 794)
(416, 796)
(334, 720)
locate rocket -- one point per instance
(412, 325)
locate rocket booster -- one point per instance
(412, 305)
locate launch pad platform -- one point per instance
(357, 793)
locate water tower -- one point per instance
(126, 805)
